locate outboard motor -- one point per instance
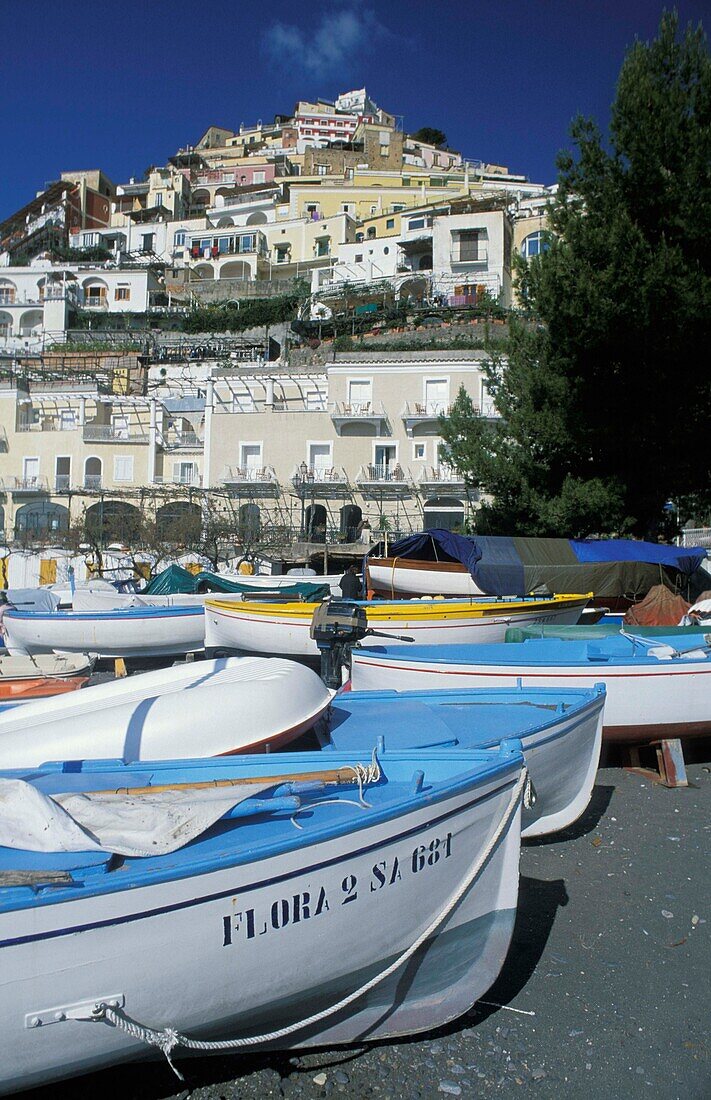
(337, 626)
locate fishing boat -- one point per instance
(103, 599)
(284, 628)
(119, 632)
(656, 687)
(24, 678)
(615, 571)
(207, 708)
(560, 732)
(281, 905)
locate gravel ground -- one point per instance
(605, 992)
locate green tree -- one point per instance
(430, 136)
(604, 392)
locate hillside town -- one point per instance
(349, 232)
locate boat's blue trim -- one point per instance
(175, 611)
(258, 884)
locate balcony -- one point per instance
(469, 257)
(92, 482)
(62, 482)
(440, 480)
(21, 485)
(359, 412)
(48, 424)
(251, 480)
(427, 412)
(384, 482)
(311, 482)
(112, 433)
(183, 441)
(192, 480)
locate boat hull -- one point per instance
(129, 632)
(210, 708)
(285, 629)
(261, 945)
(643, 702)
(560, 734)
(399, 577)
(18, 691)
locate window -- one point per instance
(250, 458)
(283, 251)
(374, 209)
(359, 238)
(535, 243)
(416, 223)
(123, 468)
(179, 238)
(185, 473)
(122, 293)
(468, 246)
(405, 181)
(436, 396)
(323, 246)
(62, 472)
(349, 173)
(386, 251)
(372, 232)
(259, 177)
(30, 472)
(321, 169)
(119, 427)
(397, 206)
(360, 395)
(159, 198)
(94, 295)
(419, 451)
(67, 420)
(359, 257)
(147, 240)
(390, 223)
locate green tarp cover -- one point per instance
(176, 580)
(597, 630)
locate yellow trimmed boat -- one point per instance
(249, 626)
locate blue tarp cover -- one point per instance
(502, 565)
(685, 559)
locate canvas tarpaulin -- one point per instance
(504, 566)
(176, 580)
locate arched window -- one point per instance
(113, 521)
(8, 292)
(535, 243)
(179, 238)
(371, 232)
(92, 473)
(41, 518)
(5, 324)
(249, 522)
(179, 521)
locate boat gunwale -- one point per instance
(495, 771)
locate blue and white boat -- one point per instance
(121, 632)
(372, 900)
(560, 732)
(655, 687)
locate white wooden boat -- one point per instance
(654, 689)
(393, 577)
(560, 732)
(121, 632)
(44, 666)
(86, 599)
(284, 628)
(207, 708)
(258, 926)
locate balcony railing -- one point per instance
(92, 482)
(320, 481)
(110, 433)
(345, 412)
(183, 441)
(194, 479)
(445, 476)
(475, 257)
(375, 474)
(26, 484)
(62, 482)
(423, 412)
(251, 480)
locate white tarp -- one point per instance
(129, 825)
(33, 599)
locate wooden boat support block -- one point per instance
(119, 668)
(670, 763)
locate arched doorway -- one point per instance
(179, 522)
(250, 523)
(351, 522)
(31, 322)
(257, 218)
(225, 223)
(5, 324)
(204, 271)
(39, 518)
(316, 523)
(445, 512)
(425, 263)
(113, 521)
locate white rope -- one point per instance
(167, 1039)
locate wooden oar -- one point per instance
(338, 775)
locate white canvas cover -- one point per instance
(128, 825)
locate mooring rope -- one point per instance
(167, 1039)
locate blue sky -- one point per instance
(88, 84)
